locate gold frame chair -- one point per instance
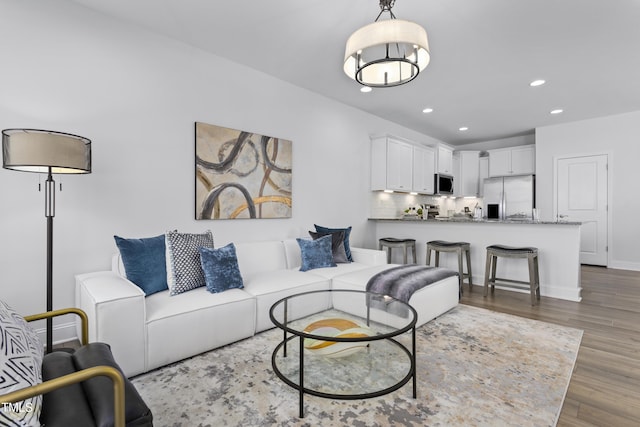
(76, 377)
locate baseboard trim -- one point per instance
(625, 265)
(62, 333)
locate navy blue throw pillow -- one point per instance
(144, 262)
(347, 232)
(221, 270)
(316, 253)
(337, 245)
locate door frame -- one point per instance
(609, 156)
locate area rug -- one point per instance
(475, 367)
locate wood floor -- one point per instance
(605, 385)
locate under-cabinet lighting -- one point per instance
(413, 193)
(388, 191)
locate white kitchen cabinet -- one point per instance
(391, 164)
(519, 160)
(484, 174)
(445, 160)
(467, 173)
(424, 168)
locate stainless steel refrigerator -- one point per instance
(509, 197)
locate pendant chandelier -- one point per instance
(386, 53)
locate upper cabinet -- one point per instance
(445, 160)
(399, 165)
(424, 161)
(467, 173)
(519, 160)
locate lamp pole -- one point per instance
(50, 212)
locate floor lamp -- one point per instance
(43, 151)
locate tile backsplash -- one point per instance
(392, 205)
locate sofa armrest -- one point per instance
(76, 377)
(368, 256)
(117, 316)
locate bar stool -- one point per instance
(530, 253)
(460, 248)
(392, 242)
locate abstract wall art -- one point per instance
(241, 174)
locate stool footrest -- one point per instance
(497, 279)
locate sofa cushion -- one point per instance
(347, 234)
(144, 262)
(331, 272)
(194, 322)
(316, 253)
(258, 257)
(220, 268)
(184, 271)
(337, 245)
(55, 404)
(269, 287)
(99, 390)
(20, 366)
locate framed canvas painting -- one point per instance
(241, 174)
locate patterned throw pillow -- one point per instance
(221, 270)
(184, 271)
(20, 367)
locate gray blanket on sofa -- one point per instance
(402, 281)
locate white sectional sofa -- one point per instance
(149, 332)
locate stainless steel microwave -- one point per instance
(443, 184)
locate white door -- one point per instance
(582, 196)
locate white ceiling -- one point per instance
(484, 54)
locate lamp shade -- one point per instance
(44, 151)
(386, 53)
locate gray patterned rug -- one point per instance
(474, 367)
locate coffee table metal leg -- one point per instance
(284, 330)
(301, 376)
(413, 360)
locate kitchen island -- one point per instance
(558, 246)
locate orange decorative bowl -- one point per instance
(338, 328)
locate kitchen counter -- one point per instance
(558, 246)
(477, 221)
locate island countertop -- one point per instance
(476, 221)
(558, 246)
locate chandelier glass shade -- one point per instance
(386, 53)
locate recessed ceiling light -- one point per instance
(537, 83)
(427, 110)
(365, 89)
(462, 129)
(557, 111)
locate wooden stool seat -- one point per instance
(529, 253)
(461, 248)
(392, 242)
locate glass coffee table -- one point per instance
(343, 344)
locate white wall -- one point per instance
(618, 136)
(137, 95)
(499, 143)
